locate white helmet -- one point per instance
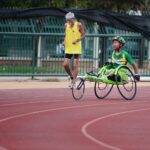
(69, 15)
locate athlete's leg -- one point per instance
(75, 66)
(66, 65)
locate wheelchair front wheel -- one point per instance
(78, 88)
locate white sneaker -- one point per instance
(71, 84)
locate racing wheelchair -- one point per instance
(105, 79)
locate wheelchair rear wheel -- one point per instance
(127, 86)
(102, 89)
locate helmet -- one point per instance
(119, 39)
(69, 15)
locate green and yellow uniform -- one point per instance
(122, 58)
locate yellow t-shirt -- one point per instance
(72, 34)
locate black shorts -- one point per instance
(69, 56)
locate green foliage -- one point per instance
(115, 5)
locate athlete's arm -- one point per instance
(65, 33)
(135, 68)
(132, 63)
(136, 75)
(82, 31)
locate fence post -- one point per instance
(96, 47)
(141, 53)
(103, 53)
(39, 52)
(148, 54)
(33, 56)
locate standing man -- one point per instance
(74, 33)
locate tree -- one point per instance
(111, 5)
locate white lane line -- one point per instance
(3, 148)
(24, 103)
(37, 112)
(51, 109)
(55, 109)
(101, 143)
(64, 108)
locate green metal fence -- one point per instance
(31, 54)
(32, 47)
(48, 24)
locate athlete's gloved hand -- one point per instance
(137, 77)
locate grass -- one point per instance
(30, 70)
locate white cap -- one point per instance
(69, 15)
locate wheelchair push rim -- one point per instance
(128, 87)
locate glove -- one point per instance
(137, 77)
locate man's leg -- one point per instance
(67, 68)
(75, 66)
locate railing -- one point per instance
(41, 54)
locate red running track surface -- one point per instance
(49, 119)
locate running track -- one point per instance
(49, 119)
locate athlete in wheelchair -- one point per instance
(115, 72)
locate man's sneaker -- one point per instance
(71, 83)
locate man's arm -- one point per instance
(65, 33)
(82, 31)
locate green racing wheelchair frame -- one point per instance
(123, 79)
